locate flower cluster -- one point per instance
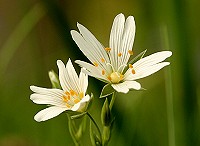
(111, 64)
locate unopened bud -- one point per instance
(54, 79)
(106, 114)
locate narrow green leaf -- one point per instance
(106, 91)
(78, 115)
(138, 57)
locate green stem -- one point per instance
(169, 93)
(112, 100)
(92, 119)
(72, 129)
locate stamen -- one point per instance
(130, 52)
(102, 60)
(72, 92)
(95, 64)
(130, 66)
(133, 71)
(66, 98)
(103, 72)
(109, 78)
(76, 100)
(107, 49)
(67, 93)
(120, 54)
(81, 95)
(121, 77)
(68, 105)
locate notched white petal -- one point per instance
(133, 85)
(152, 59)
(48, 113)
(120, 87)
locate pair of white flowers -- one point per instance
(108, 64)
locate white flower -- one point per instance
(108, 63)
(71, 97)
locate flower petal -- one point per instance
(132, 85)
(46, 91)
(128, 39)
(120, 87)
(90, 39)
(126, 85)
(152, 59)
(72, 77)
(94, 54)
(92, 70)
(82, 105)
(83, 81)
(116, 38)
(63, 76)
(144, 72)
(48, 113)
(45, 99)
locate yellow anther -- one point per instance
(103, 72)
(67, 93)
(119, 54)
(81, 95)
(102, 60)
(107, 49)
(121, 77)
(130, 66)
(130, 52)
(68, 105)
(72, 92)
(95, 64)
(133, 71)
(109, 78)
(66, 98)
(76, 100)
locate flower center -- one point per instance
(115, 77)
(72, 97)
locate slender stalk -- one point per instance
(92, 119)
(72, 130)
(112, 100)
(169, 93)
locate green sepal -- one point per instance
(91, 101)
(82, 128)
(106, 114)
(106, 135)
(95, 140)
(141, 89)
(107, 90)
(79, 115)
(72, 129)
(54, 79)
(138, 57)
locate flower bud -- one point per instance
(54, 79)
(106, 114)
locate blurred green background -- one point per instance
(34, 34)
